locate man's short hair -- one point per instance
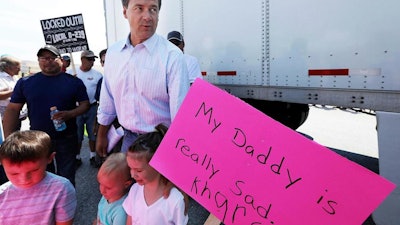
(126, 2)
(102, 52)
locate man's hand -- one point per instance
(102, 141)
(62, 115)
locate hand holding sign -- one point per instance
(246, 168)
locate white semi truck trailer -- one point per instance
(282, 55)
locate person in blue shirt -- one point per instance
(50, 87)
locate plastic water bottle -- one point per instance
(58, 124)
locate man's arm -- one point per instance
(5, 94)
(101, 140)
(83, 107)
(11, 118)
(80, 109)
(178, 84)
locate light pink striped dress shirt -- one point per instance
(143, 85)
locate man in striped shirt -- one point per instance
(145, 78)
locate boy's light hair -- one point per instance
(116, 164)
(28, 145)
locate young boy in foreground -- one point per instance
(32, 195)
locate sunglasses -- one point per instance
(91, 59)
(51, 59)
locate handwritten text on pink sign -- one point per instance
(246, 168)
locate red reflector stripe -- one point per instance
(203, 73)
(329, 72)
(226, 73)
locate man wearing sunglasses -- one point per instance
(90, 78)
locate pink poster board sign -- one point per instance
(246, 168)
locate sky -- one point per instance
(21, 32)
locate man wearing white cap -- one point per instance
(90, 78)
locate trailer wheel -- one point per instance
(292, 115)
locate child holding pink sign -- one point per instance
(145, 203)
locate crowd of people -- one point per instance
(146, 78)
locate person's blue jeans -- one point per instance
(88, 118)
(127, 140)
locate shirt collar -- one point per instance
(4, 74)
(149, 44)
